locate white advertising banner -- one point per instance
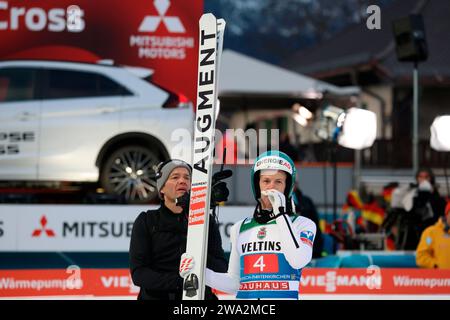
(53, 228)
(8, 231)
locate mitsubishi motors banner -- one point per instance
(158, 34)
(67, 228)
(315, 283)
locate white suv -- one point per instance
(64, 121)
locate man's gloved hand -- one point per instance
(277, 199)
(219, 193)
(219, 189)
(187, 263)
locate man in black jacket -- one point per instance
(158, 238)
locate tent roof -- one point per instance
(243, 75)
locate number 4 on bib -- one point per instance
(260, 264)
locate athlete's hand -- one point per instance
(277, 199)
(187, 263)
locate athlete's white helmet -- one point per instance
(273, 160)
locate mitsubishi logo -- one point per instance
(151, 23)
(48, 232)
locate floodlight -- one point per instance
(300, 120)
(440, 133)
(301, 114)
(305, 113)
(359, 129)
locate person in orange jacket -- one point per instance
(433, 250)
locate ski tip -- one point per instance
(207, 17)
(221, 22)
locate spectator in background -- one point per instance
(390, 221)
(428, 204)
(287, 147)
(413, 209)
(433, 250)
(363, 216)
(305, 207)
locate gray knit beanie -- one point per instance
(164, 170)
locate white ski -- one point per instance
(210, 47)
(220, 31)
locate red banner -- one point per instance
(70, 282)
(375, 281)
(158, 34)
(117, 282)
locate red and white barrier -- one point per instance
(316, 283)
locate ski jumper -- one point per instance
(266, 259)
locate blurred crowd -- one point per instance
(405, 217)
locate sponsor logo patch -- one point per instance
(307, 237)
(262, 233)
(265, 285)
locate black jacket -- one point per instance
(158, 240)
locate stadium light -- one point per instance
(305, 113)
(359, 129)
(300, 120)
(301, 114)
(440, 133)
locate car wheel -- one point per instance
(130, 173)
